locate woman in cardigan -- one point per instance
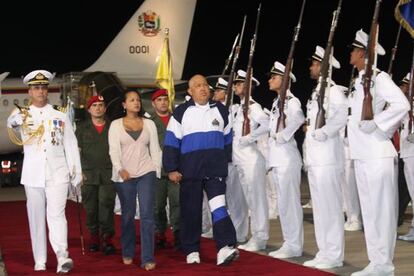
(136, 159)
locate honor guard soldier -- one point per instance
(98, 192)
(251, 166)
(407, 154)
(285, 163)
(51, 163)
(324, 158)
(374, 155)
(220, 91)
(165, 189)
(197, 149)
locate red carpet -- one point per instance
(17, 253)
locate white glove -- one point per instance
(319, 135)
(279, 138)
(346, 141)
(367, 126)
(76, 180)
(410, 138)
(15, 120)
(245, 140)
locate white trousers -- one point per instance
(287, 184)
(271, 195)
(350, 192)
(252, 178)
(328, 218)
(378, 197)
(47, 204)
(237, 204)
(409, 177)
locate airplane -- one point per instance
(129, 62)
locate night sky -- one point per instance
(84, 29)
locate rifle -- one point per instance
(247, 89)
(410, 98)
(370, 56)
(394, 52)
(348, 92)
(229, 92)
(281, 121)
(323, 78)
(227, 62)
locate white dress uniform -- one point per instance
(285, 162)
(51, 162)
(407, 154)
(250, 165)
(325, 161)
(350, 193)
(236, 201)
(373, 156)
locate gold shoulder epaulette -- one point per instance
(60, 108)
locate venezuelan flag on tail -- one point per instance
(164, 77)
(404, 13)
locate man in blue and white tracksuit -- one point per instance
(197, 149)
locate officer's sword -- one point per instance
(74, 191)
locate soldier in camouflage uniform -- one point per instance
(165, 188)
(98, 192)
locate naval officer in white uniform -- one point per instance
(374, 154)
(251, 167)
(51, 163)
(324, 159)
(285, 163)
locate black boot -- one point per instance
(94, 243)
(177, 240)
(160, 240)
(107, 246)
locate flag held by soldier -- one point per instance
(164, 78)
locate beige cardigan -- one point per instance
(115, 146)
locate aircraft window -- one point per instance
(16, 101)
(5, 102)
(26, 102)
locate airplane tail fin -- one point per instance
(134, 51)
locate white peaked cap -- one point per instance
(241, 76)
(221, 84)
(361, 41)
(38, 77)
(320, 52)
(407, 78)
(279, 69)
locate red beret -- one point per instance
(94, 99)
(158, 93)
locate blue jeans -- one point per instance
(127, 192)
